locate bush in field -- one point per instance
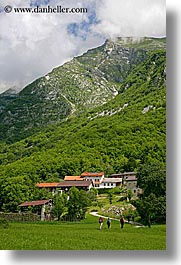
(3, 223)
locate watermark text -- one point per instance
(48, 9)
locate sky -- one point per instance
(32, 44)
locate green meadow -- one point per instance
(84, 235)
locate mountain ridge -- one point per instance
(85, 82)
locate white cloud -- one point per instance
(32, 44)
(132, 18)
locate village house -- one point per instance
(95, 177)
(87, 180)
(130, 181)
(56, 187)
(111, 182)
(124, 175)
(131, 184)
(73, 178)
(99, 181)
(49, 186)
(66, 185)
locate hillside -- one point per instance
(83, 83)
(118, 136)
(6, 97)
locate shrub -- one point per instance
(3, 223)
(104, 190)
(123, 198)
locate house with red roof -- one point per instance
(72, 178)
(49, 186)
(65, 185)
(99, 180)
(95, 177)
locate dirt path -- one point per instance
(117, 219)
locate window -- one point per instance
(111, 184)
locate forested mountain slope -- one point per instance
(118, 136)
(6, 97)
(83, 83)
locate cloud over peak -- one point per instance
(33, 44)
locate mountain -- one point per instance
(6, 97)
(120, 135)
(85, 82)
(132, 125)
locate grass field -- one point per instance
(81, 236)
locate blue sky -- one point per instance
(83, 28)
(39, 2)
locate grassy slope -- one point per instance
(81, 236)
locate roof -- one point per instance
(92, 174)
(72, 178)
(112, 180)
(34, 203)
(69, 183)
(47, 185)
(123, 174)
(131, 178)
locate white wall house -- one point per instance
(95, 177)
(99, 181)
(111, 183)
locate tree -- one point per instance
(73, 203)
(110, 196)
(92, 196)
(84, 202)
(14, 191)
(77, 203)
(146, 207)
(129, 194)
(40, 194)
(152, 178)
(152, 203)
(60, 205)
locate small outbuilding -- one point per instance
(41, 203)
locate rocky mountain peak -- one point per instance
(87, 81)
